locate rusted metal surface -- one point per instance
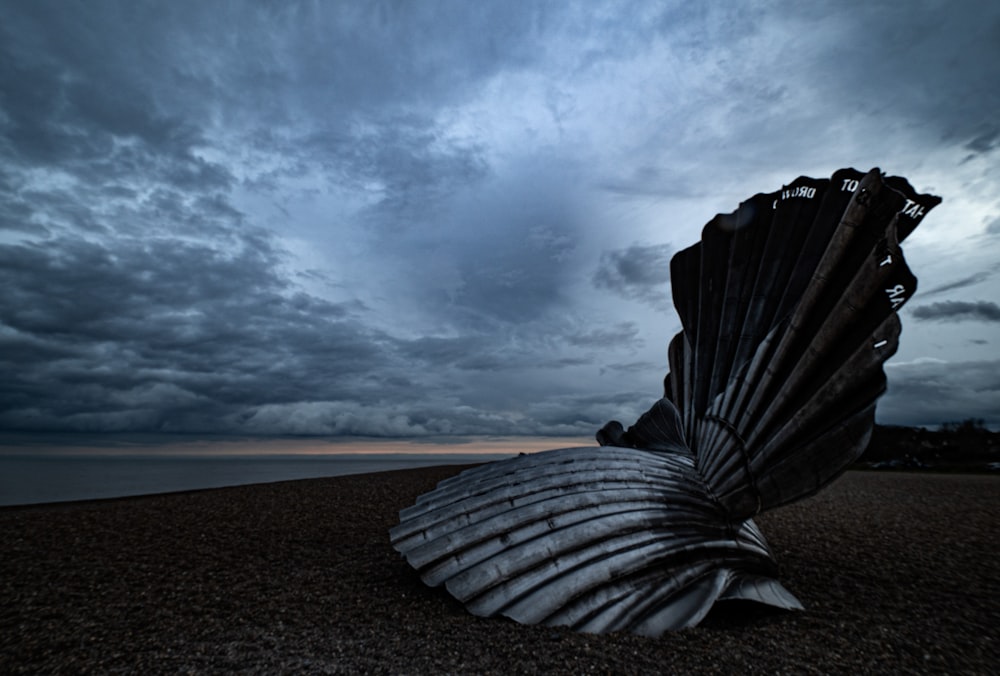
(788, 307)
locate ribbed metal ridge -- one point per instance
(597, 538)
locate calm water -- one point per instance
(28, 479)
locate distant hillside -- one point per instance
(965, 446)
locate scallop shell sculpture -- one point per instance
(788, 307)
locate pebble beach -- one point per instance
(899, 573)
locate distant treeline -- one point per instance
(957, 446)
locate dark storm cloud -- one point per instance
(99, 125)
(959, 283)
(109, 95)
(443, 351)
(501, 258)
(378, 218)
(986, 141)
(637, 273)
(167, 335)
(817, 85)
(645, 180)
(507, 286)
(939, 60)
(625, 333)
(171, 313)
(955, 310)
(586, 413)
(935, 392)
(400, 160)
(486, 353)
(634, 367)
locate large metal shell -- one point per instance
(788, 307)
(596, 538)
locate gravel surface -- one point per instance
(898, 572)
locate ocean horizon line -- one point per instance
(29, 479)
(170, 445)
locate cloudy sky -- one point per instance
(415, 219)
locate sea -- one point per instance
(32, 478)
(42, 468)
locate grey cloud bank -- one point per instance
(414, 219)
(953, 309)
